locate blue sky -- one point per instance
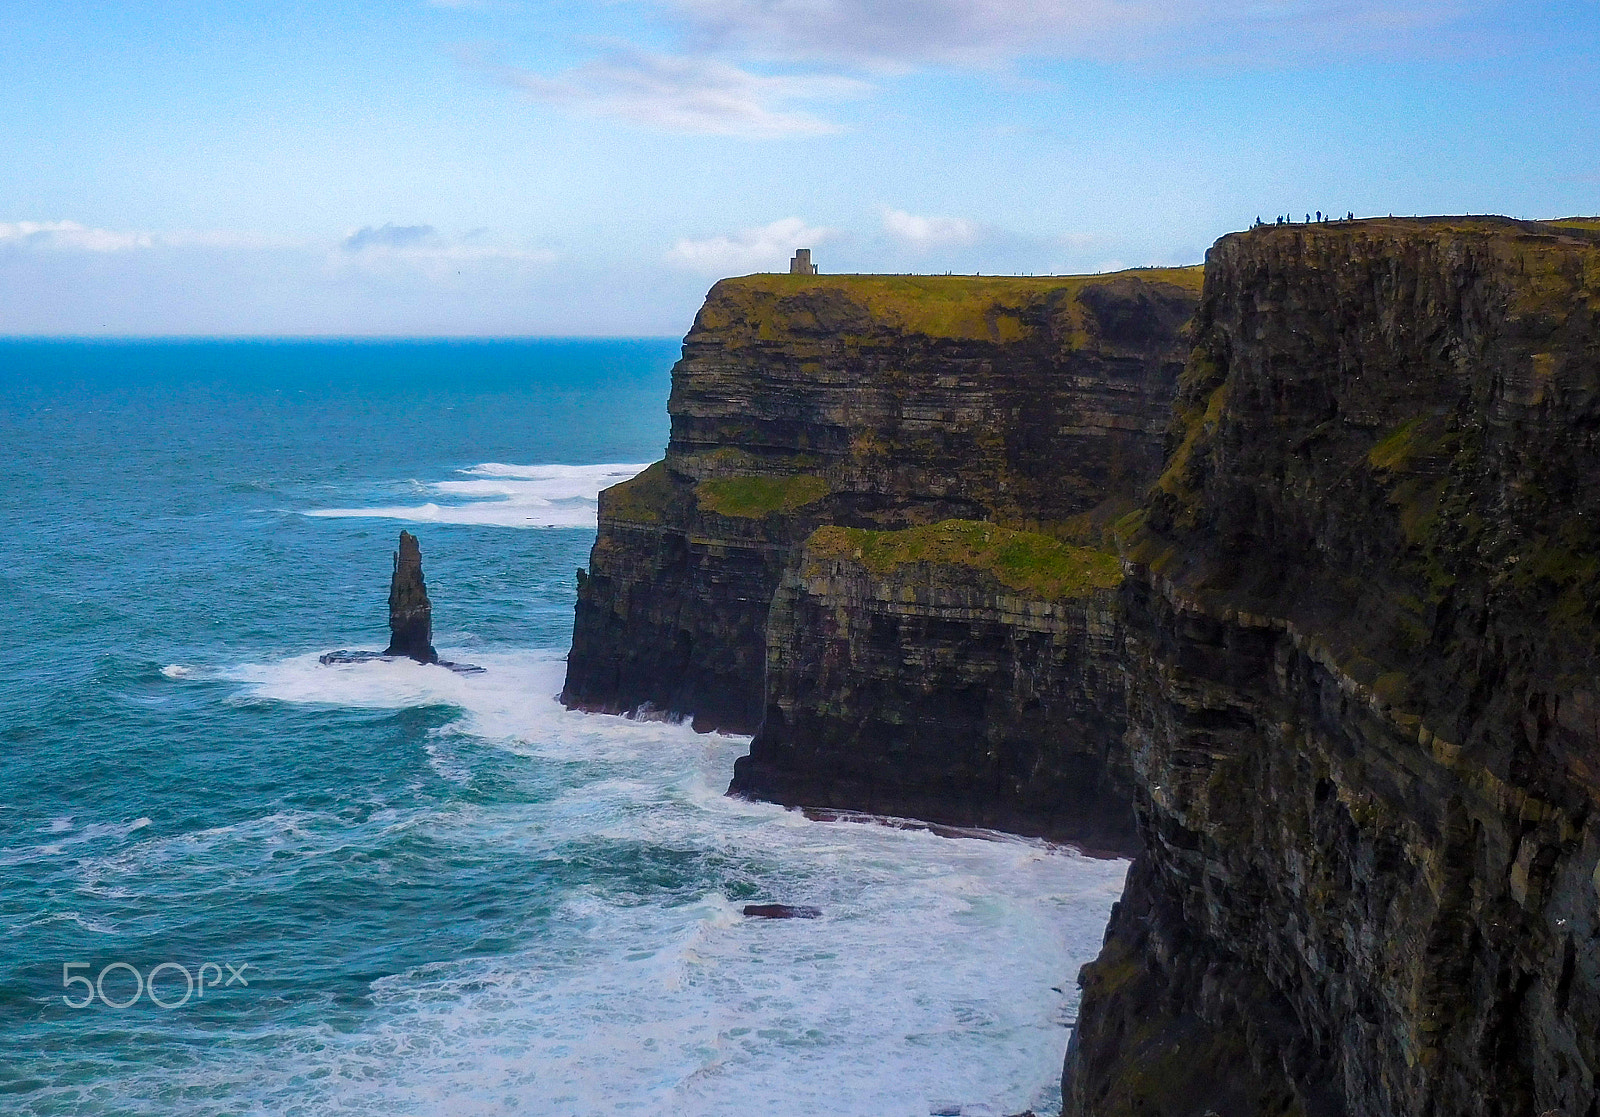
(510, 167)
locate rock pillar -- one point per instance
(410, 612)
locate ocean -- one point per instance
(236, 881)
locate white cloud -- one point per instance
(380, 251)
(388, 235)
(910, 32)
(390, 248)
(767, 248)
(70, 236)
(929, 232)
(690, 94)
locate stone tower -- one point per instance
(801, 264)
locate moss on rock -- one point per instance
(1022, 560)
(753, 497)
(962, 307)
(642, 499)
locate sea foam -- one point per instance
(500, 495)
(939, 976)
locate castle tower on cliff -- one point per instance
(801, 264)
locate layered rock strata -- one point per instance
(961, 673)
(1362, 622)
(881, 402)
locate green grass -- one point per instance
(753, 497)
(941, 306)
(641, 499)
(1034, 564)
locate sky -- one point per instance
(520, 168)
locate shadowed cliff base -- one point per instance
(961, 673)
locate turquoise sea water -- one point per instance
(447, 894)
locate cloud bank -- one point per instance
(929, 232)
(70, 236)
(389, 248)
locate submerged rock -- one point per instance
(781, 911)
(410, 611)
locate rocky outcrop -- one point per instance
(1362, 620)
(881, 402)
(410, 619)
(961, 673)
(410, 612)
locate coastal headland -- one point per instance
(1286, 584)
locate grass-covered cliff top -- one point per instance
(1548, 269)
(937, 306)
(1486, 225)
(1032, 564)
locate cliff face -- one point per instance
(961, 673)
(1361, 642)
(881, 402)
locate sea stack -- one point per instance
(410, 612)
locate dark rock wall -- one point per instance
(879, 401)
(933, 690)
(1361, 645)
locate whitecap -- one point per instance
(938, 977)
(500, 495)
(177, 671)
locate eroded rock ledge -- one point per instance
(961, 673)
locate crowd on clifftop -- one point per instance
(1320, 218)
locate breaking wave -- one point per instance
(499, 495)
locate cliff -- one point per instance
(881, 402)
(1335, 635)
(962, 673)
(1362, 614)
